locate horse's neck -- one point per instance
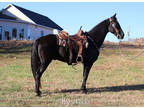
(99, 32)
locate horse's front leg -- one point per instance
(86, 71)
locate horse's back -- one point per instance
(47, 40)
(47, 46)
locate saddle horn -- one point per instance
(80, 31)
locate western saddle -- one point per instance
(79, 38)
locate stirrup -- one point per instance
(79, 58)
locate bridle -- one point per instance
(112, 23)
(92, 40)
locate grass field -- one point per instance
(116, 79)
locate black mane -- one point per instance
(99, 32)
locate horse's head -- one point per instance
(115, 28)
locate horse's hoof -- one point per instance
(38, 94)
(84, 91)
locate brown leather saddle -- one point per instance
(79, 38)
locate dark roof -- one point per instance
(3, 16)
(39, 19)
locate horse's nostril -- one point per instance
(122, 34)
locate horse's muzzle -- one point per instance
(120, 36)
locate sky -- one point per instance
(71, 15)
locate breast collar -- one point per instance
(92, 40)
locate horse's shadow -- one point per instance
(105, 89)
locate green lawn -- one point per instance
(116, 79)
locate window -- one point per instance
(29, 33)
(42, 33)
(21, 34)
(7, 35)
(14, 33)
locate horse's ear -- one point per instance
(80, 27)
(114, 16)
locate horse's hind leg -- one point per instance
(40, 71)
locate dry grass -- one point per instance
(116, 79)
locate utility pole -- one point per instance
(128, 33)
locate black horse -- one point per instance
(46, 49)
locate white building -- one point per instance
(17, 23)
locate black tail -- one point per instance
(35, 61)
